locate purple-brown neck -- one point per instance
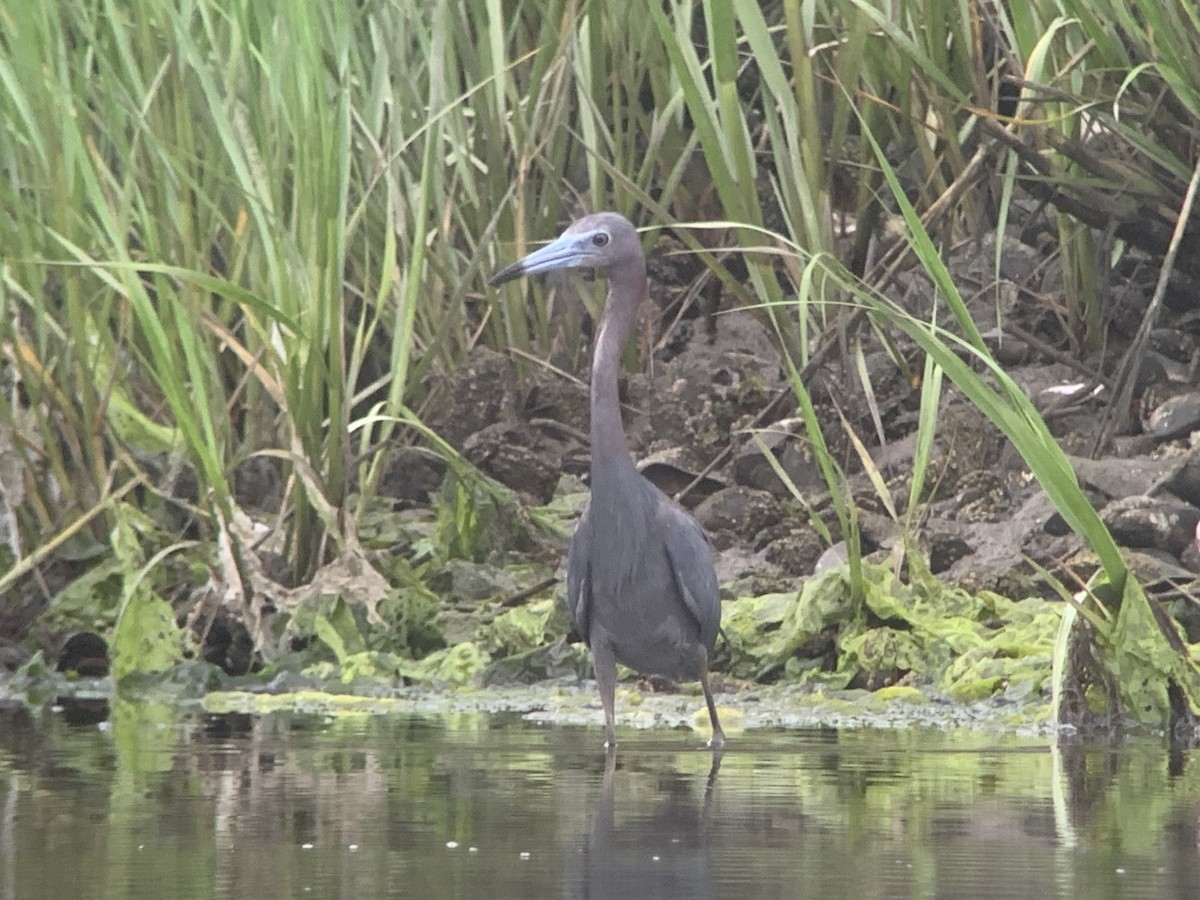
(610, 449)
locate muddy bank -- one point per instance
(710, 406)
(457, 580)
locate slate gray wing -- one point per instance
(579, 575)
(692, 567)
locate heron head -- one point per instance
(605, 241)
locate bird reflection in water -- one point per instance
(660, 853)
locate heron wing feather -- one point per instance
(579, 576)
(692, 569)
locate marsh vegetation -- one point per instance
(248, 352)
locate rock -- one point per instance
(548, 396)
(470, 582)
(1158, 571)
(737, 511)
(1185, 483)
(945, 549)
(1130, 446)
(742, 347)
(1174, 416)
(518, 456)
(896, 458)
(553, 660)
(1020, 263)
(1116, 477)
(999, 548)
(787, 442)
(480, 393)
(413, 474)
(1152, 522)
(457, 625)
(743, 573)
(713, 389)
(1175, 343)
(980, 496)
(795, 553)
(877, 531)
(226, 642)
(834, 556)
(86, 654)
(1062, 395)
(966, 442)
(670, 472)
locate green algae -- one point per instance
(969, 646)
(519, 630)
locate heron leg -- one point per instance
(605, 664)
(718, 736)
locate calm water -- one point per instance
(148, 805)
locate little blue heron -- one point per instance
(641, 587)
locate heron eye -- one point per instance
(600, 239)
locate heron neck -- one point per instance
(610, 448)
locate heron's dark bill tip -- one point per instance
(508, 273)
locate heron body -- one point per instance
(641, 587)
